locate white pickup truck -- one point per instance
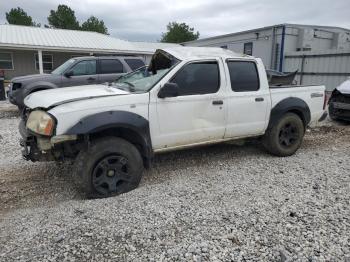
(186, 97)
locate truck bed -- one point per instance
(313, 95)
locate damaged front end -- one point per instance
(45, 147)
(34, 148)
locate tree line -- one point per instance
(64, 17)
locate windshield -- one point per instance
(62, 68)
(144, 78)
(140, 80)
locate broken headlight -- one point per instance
(41, 123)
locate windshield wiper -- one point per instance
(131, 86)
(128, 83)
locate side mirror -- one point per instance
(68, 74)
(169, 90)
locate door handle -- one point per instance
(259, 99)
(91, 79)
(218, 102)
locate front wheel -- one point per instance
(109, 167)
(286, 136)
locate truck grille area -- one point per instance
(16, 86)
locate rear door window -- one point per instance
(244, 76)
(111, 66)
(134, 63)
(198, 78)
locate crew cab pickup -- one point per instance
(186, 97)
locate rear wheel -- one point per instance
(286, 136)
(110, 166)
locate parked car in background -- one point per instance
(339, 102)
(186, 97)
(76, 71)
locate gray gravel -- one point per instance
(218, 203)
(8, 110)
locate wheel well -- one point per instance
(290, 105)
(129, 135)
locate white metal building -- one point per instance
(30, 50)
(321, 54)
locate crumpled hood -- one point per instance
(58, 96)
(344, 88)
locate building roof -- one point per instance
(268, 27)
(187, 52)
(14, 36)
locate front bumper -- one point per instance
(38, 148)
(340, 110)
(11, 98)
(342, 106)
(16, 96)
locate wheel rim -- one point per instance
(288, 135)
(111, 174)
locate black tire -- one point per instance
(286, 136)
(111, 166)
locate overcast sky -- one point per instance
(145, 20)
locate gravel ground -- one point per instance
(218, 203)
(8, 110)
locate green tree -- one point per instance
(63, 17)
(95, 25)
(17, 16)
(178, 33)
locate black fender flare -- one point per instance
(293, 105)
(135, 129)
